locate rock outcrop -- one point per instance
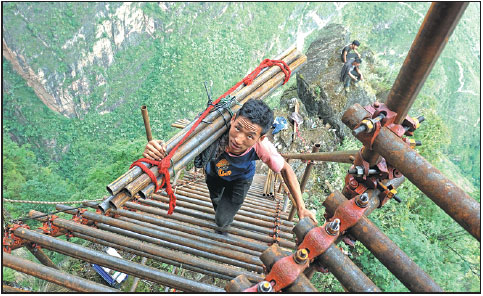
(318, 85)
(93, 47)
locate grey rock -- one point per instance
(318, 85)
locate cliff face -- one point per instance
(318, 85)
(65, 71)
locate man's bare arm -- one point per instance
(293, 185)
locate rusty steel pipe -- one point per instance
(119, 199)
(147, 126)
(10, 289)
(437, 27)
(211, 217)
(133, 244)
(396, 261)
(53, 275)
(346, 272)
(147, 255)
(41, 256)
(251, 201)
(151, 221)
(172, 241)
(168, 223)
(442, 191)
(336, 156)
(119, 264)
(238, 217)
(211, 225)
(192, 148)
(117, 185)
(135, 282)
(301, 284)
(180, 246)
(305, 178)
(207, 204)
(194, 231)
(205, 240)
(308, 169)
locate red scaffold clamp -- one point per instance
(10, 241)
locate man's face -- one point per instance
(354, 47)
(243, 135)
(356, 64)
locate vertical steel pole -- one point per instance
(305, 177)
(437, 27)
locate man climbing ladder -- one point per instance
(229, 174)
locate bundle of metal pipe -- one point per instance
(134, 181)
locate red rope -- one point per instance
(164, 164)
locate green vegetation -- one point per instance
(47, 156)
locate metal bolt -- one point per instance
(362, 200)
(301, 256)
(353, 184)
(264, 287)
(376, 104)
(332, 228)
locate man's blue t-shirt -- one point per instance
(231, 168)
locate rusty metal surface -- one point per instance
(442, 191)
(336, 156)
(304, 179)
(41, 256)
(147, 126)
(349, 275)
(346, 272)
(211, 225)
(151, 256)
(437, 27)
(209, 212)
(396, 261)
(53, 275)
(115, 263)
(9, 289)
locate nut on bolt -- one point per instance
(362, 200)
(264, 287)
(332, 228)
(301, 256)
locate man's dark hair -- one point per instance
(258, 113)
(356, 43)
(358, 60)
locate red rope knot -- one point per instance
(268, 63)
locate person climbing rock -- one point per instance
(350, 71)
(345, 53)
(231, 167)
